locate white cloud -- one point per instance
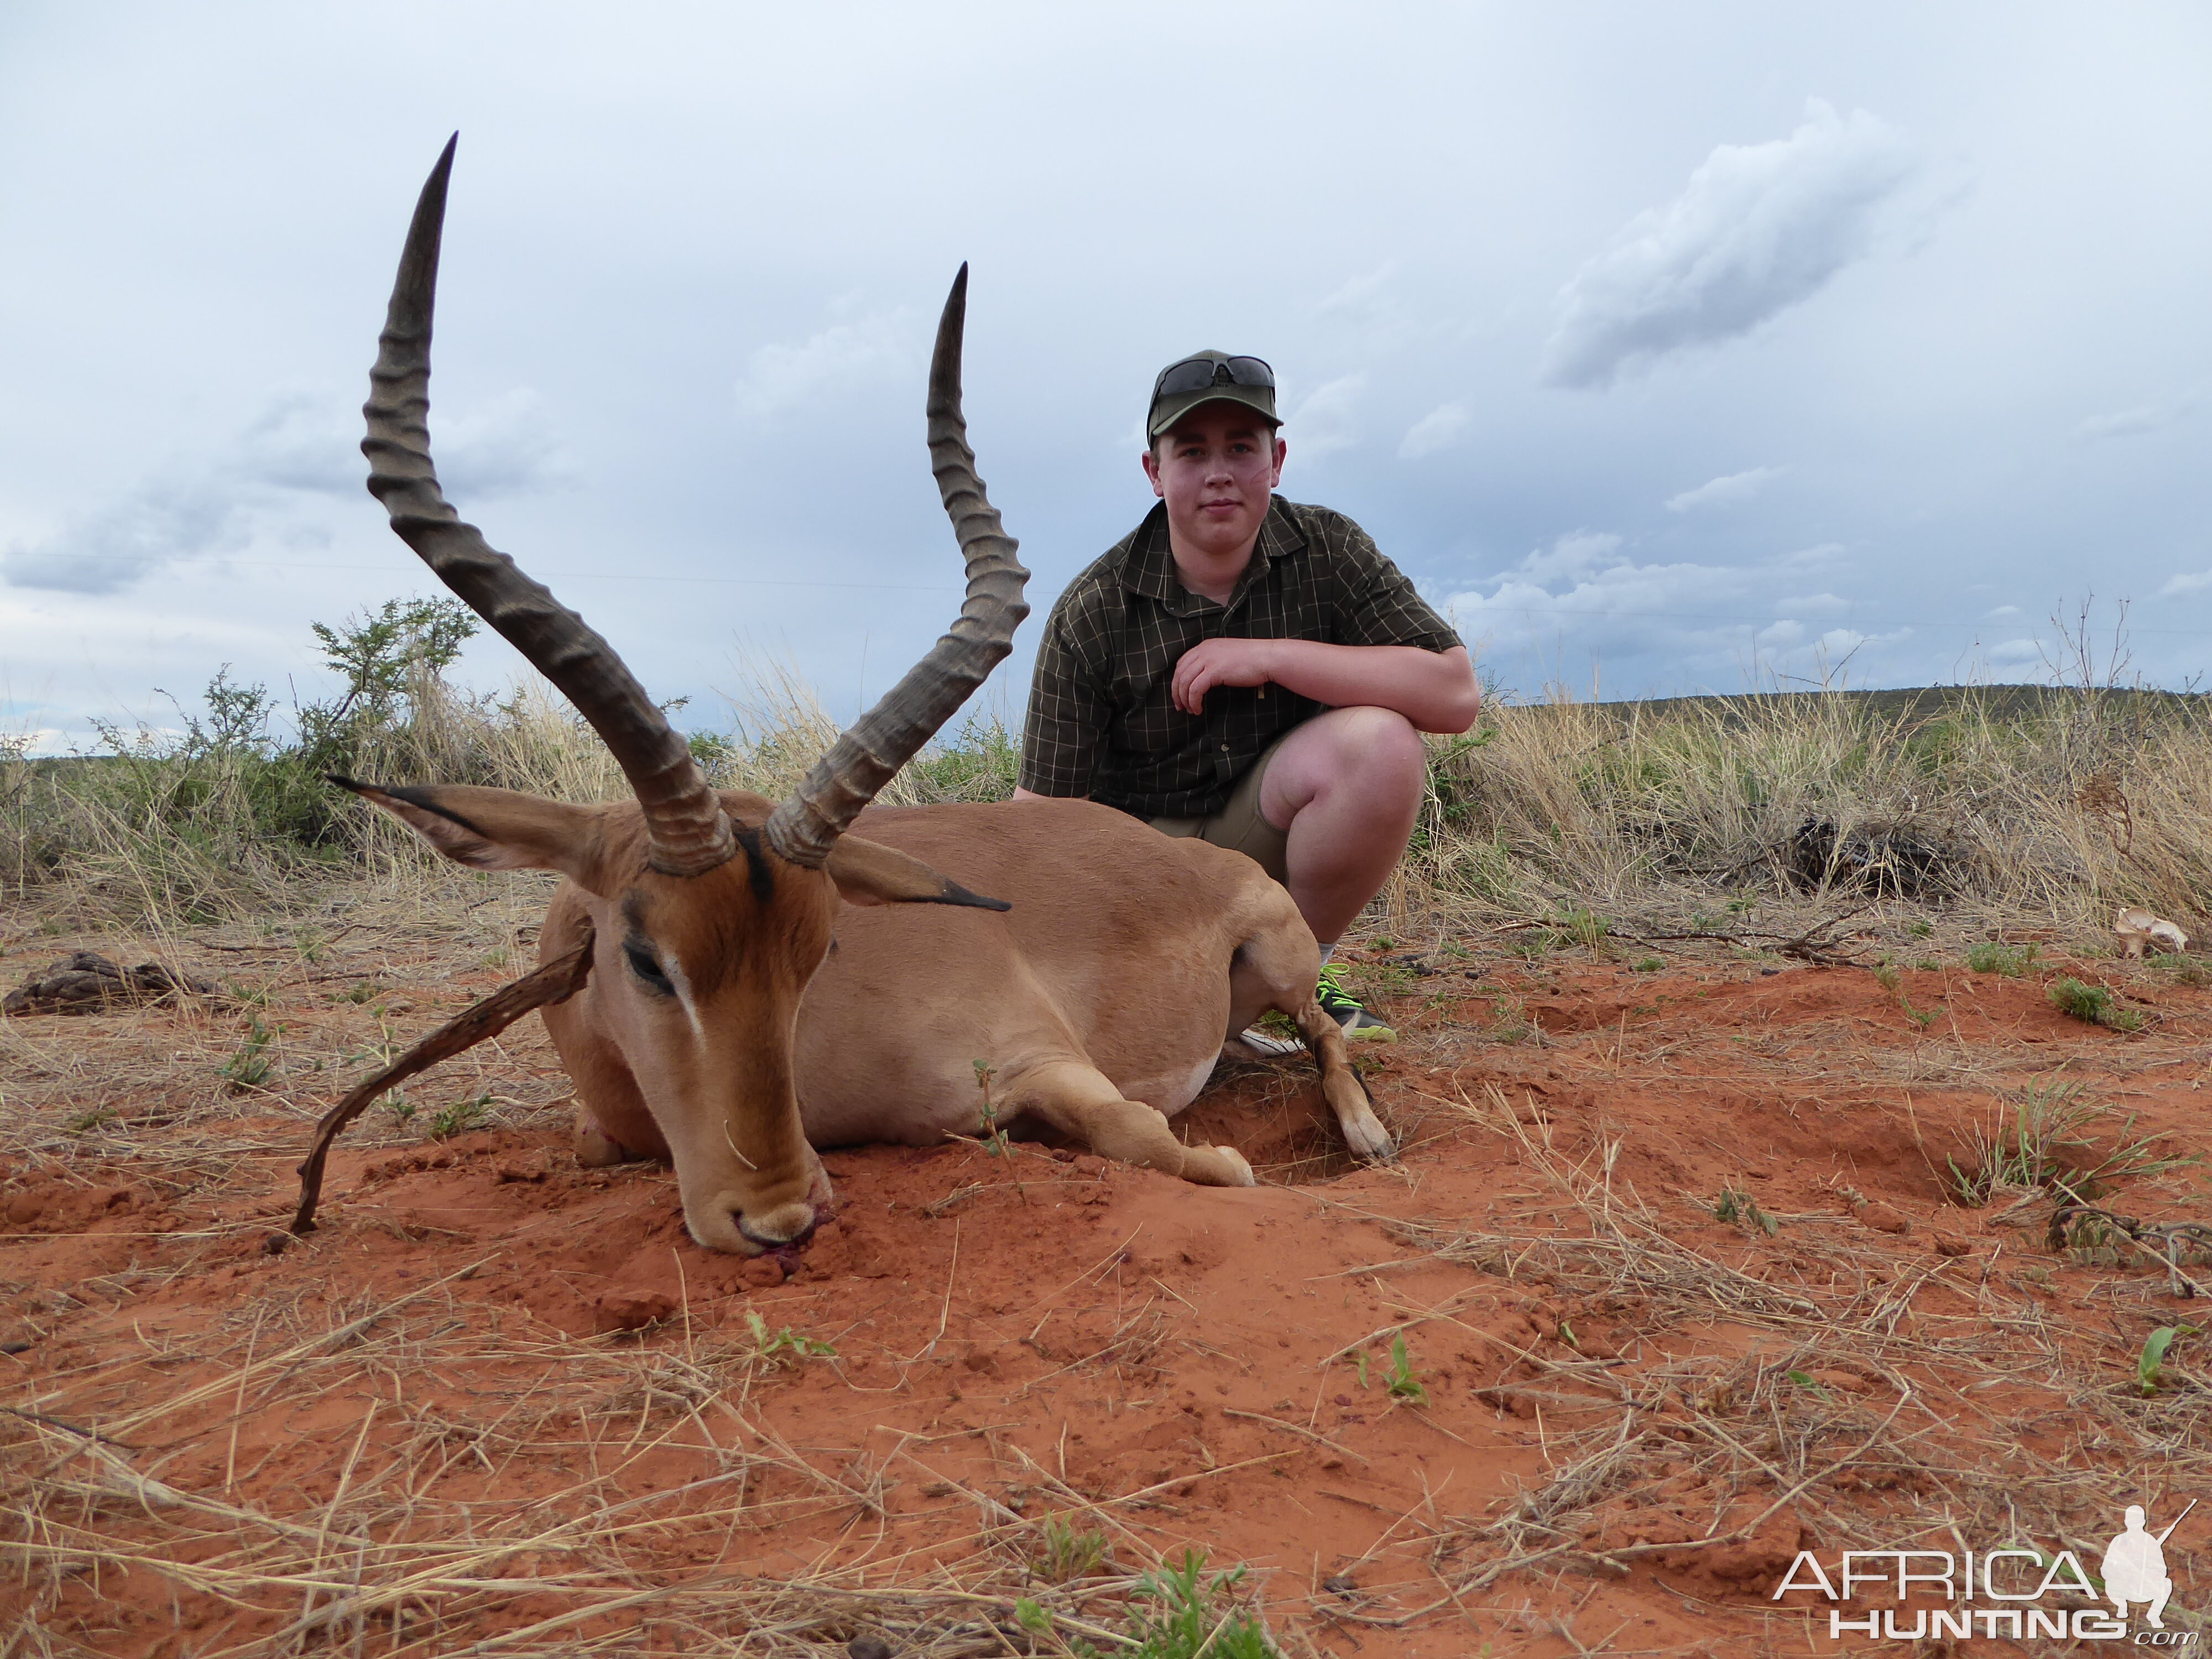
(1437, 429)
(2016, 651)
(1807, 558)
(2133, 422)
(2014, 611)
(1576, 554)
(300, 442)
(1721, 492)
(1759, 229)
(1323, 422)
(1360, 292)
(877, 348)
(149, 525)
(1803, 602)
(2190, 582)
(1700, 626)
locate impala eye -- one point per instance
(643, 964)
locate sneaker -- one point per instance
(1265, 1045)
(1347, 1010)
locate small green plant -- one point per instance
(249, 1067)
(2094, 1004)
(310, 943)
(2181, 969)
(994, 1138)
(783, 1347)
(1404, 1382)
(401, 1107)
(1740, 1209)
(1067, 1553)
(2046, 1145)
(459, 1118)
(359, 992)
(1583, 927)
(2011, 960)
(1650, 965)
(2151, 1362)
(1921, 930)
(1184, 1619)
(86, 1122)
(1032, 1616)
(1805, 1381)
(1890, 980)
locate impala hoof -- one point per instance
(1240, 1167)
(596, 1150)
(1369, 1139)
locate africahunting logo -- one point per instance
(1990, 1595)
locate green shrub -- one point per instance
(2011, 960)
(2094, 1003)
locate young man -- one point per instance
(1246, 669)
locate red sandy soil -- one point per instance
(524, 1347)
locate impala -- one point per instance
(734, 1017)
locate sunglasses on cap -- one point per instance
(1196, 373)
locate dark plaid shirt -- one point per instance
(1102, 718)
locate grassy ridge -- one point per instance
(2049, 806)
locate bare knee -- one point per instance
(1367, 757)
(1381, 749)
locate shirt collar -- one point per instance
(1148, 568)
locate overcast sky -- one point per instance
(1671, 348)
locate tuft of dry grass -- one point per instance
(1845, 1412)
(2049, 806)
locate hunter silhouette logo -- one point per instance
(1998, 1594)
(2133, 1568)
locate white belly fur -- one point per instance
(1170, 1095)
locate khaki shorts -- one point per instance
(1240, 825)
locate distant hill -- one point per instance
(2001, 702)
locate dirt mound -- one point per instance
(1672, 1282)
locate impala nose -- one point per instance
(787, 1223)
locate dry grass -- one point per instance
(413, 1541)
(2050, 810)
(1827, 1400)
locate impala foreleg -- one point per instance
(1341, 1085)
(1274, 969)
(1077, 1100)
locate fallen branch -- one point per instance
(1816, 945)
(556, 981)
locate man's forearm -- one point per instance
(1434, 689)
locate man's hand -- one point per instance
(1221, 662)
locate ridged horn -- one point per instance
(804, 828)
(691, 833)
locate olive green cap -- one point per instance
(1169, 407)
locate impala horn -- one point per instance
(690, 834)
(806, 826)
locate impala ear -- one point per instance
(869, 872)
(494, 829)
